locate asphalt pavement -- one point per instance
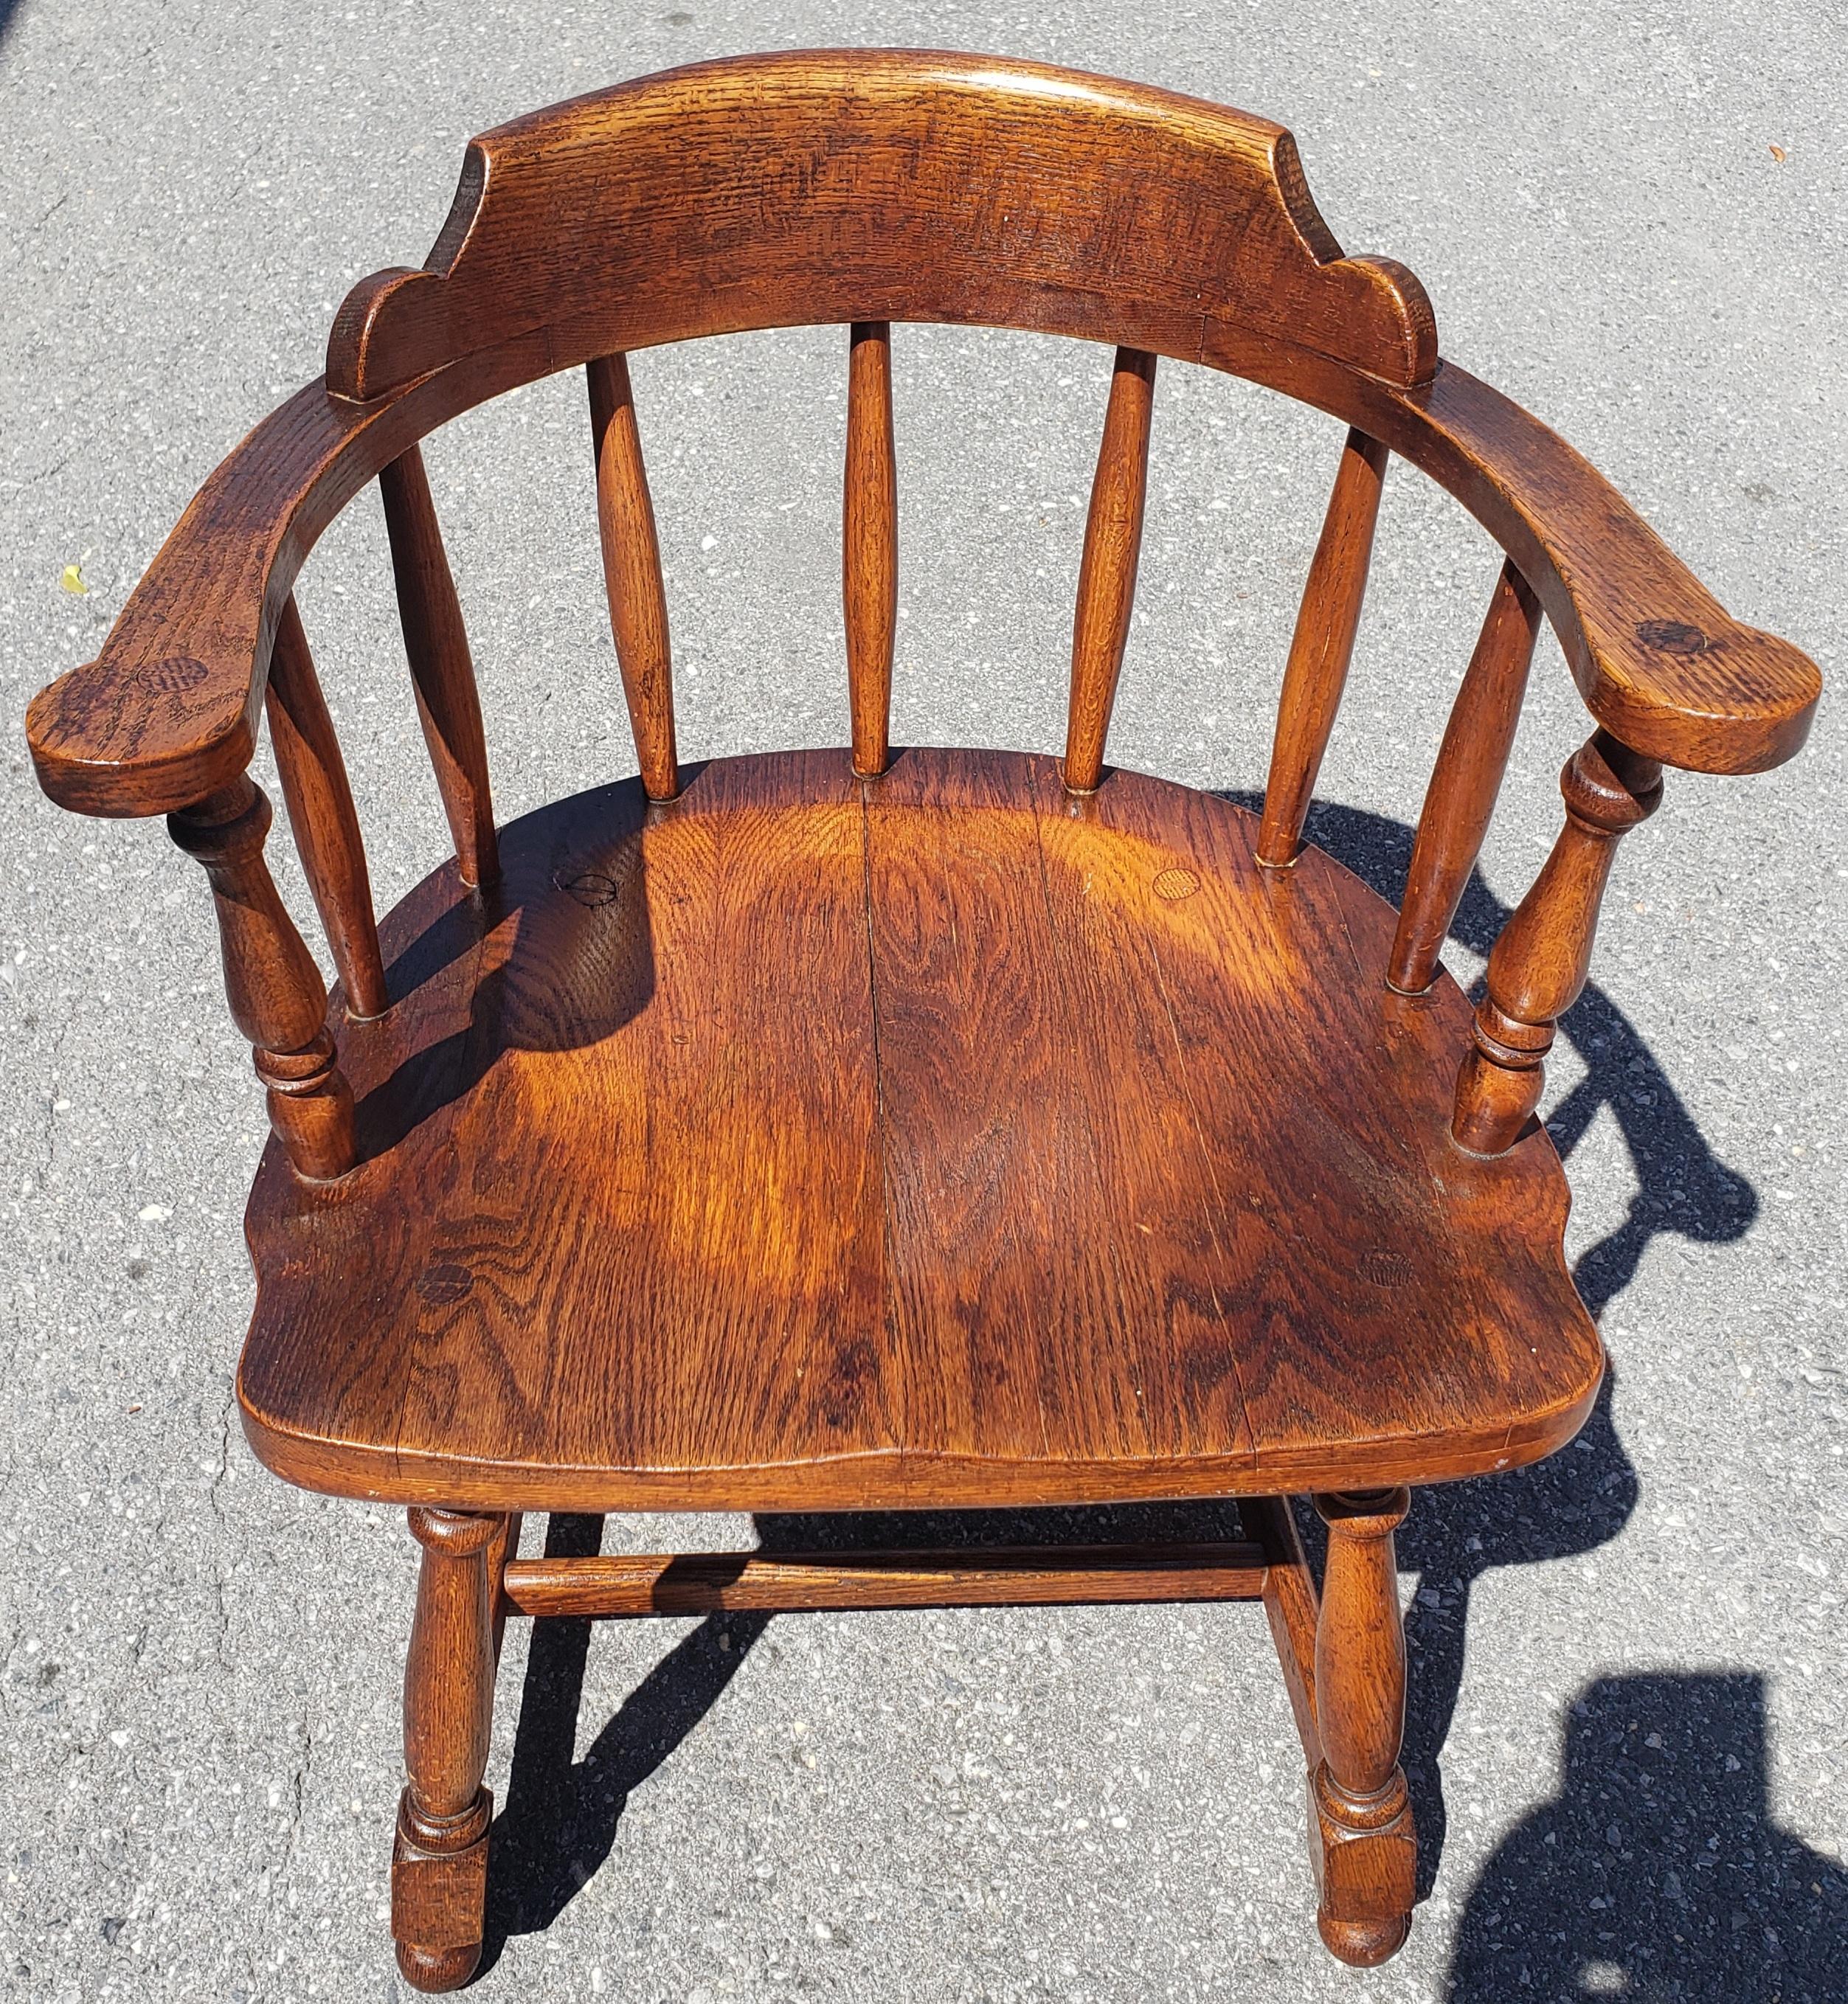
(1630, 1660)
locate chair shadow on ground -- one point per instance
(560, 1815)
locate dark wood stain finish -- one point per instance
(441, 671)
(638, 597)
(845, 1129)
(322, 815)
(875, 1183)
(869, 542)
(1316, 671)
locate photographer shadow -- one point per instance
(1658, 1870)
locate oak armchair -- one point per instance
(856, 1128)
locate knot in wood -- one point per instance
(456, 1534)
(1672, 636)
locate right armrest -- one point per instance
(1661, 662)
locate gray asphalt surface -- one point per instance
(1630, 1658)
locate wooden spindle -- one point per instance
(869, 568)
(1360, 1810)
(1323, 645)
(440, 1860)
(1107, 578)
(1539, 963)
(320, 812)
(437, 644)
(1465, 782)
(277, 996)
(638, 599)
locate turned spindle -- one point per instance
(632, 575)
(277, 997)
(1107, 578)
(1321, 647)
(1360, 1813)
(869, 571)
(320, 812)
(440, 1858)
(1465, 782)
(1539, 964)
(442, 670)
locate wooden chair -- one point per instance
(831, 1131)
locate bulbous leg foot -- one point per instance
(1361, 1944)
(434, 1969)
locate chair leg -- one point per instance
(440, 1860)
(1361, 1835)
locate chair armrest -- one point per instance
(1660, 662)
(168, 712)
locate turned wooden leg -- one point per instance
(1361, 1836)
(439, 1860)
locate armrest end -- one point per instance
(1661, 663)
(137, 740)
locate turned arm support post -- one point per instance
(277, 996)
(1539, 963)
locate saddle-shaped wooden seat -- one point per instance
(842, 1130)
(935, 1139)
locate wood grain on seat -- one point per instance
(936, 1139)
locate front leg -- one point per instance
(439, 1860)
(1361, 1835)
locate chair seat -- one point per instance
(938, 1139)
